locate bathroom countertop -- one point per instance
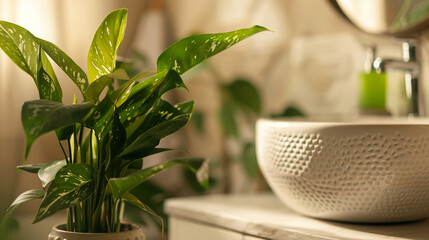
(264, 216)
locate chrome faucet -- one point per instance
(410, 65)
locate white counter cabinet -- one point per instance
(258, 217)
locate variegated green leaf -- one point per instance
(190, 51)
(120, 186)
(72, 70)
(150, 90)
(42, 116)
(151, 138)
(145, 133)
(118, 135)
(73, 183)
(24, 50)
(147, 93)
(136, 202)
(96, 87)
(48, 171)
(120, 95)
(120, 74)
(46, 81)
(26, 196)
(160, 113)
(128, 197)
(20, 46)
(105, 45)
(101, 116)
(31, 168)
(8, 224)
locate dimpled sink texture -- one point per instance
(347, 172)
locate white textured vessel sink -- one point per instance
(369, 170)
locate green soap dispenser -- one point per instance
(372, 88)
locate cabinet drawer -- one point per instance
(186, 230)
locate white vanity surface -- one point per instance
(255, 217)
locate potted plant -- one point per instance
(105, 137)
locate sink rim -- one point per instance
(347, 121)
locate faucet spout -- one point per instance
(411, 68)
(380, 64)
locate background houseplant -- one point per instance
(104, 138)
(239, 107)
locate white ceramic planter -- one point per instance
(58, 233)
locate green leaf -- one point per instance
(119, 135)
(136, 162)
(48, 171)
(120, 186)
(26, 196)
(248, 158)
(42, 116)
(96, 87)
(120, 95)
(23, 49)
(64, 133)
(186, 107)
(20, 46)
(245, 94)
(128, 197)
(120, 74)
(9, 227)
(198, 122)
(136, 202)
(151, 195)
(147, 93)
(163, 120)
(47, 82)
(72, 184)
(101, 116)
(190, 51)
(8, 223)
(100, 119)
(31, 168)
(227, 119)
(105, 45)
(162, 112)
(150, 91)
(289, 111)
(72, 70)
(151, 138)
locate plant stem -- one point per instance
(70, 151)
(69, 226)
(76, 146)
(76, 219)
(119, 211)
(81, 132)
(91, 158)
(226, 166)
(64, 152)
